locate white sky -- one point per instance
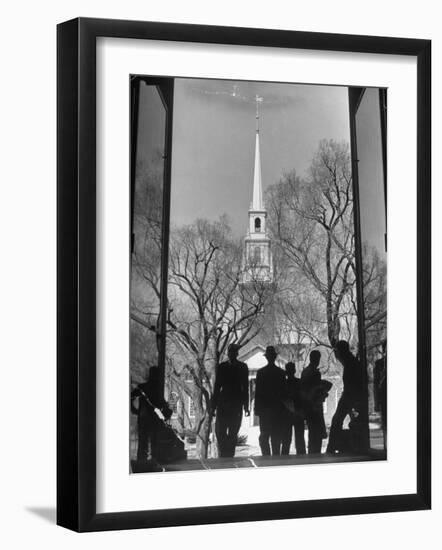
(214, 141)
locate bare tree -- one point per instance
(311, 221)
(209, 307)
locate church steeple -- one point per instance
(257, 254)
(257, 202)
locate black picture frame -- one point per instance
(77, 287)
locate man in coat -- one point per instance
(294, 414)
(152, 409)
(380, 387)
(351, 399)
(315, 391)
(269, 404)
(230, 398)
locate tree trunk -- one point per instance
(203, 436)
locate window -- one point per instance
(191, 407)
(257, 255)
(173, 403)
(257, 225)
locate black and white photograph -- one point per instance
(258, 274)
(220, 293)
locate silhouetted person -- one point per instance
(269, 397)
(294, 414)
(351, 398)
(151, 407)
(380, 387)
(314, 391)
(230, 397)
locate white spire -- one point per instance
(257, 202)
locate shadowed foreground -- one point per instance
(255, 462)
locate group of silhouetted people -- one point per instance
(284, 403)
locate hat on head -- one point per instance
(270, 351)
(234, 347)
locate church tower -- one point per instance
(257, 262)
